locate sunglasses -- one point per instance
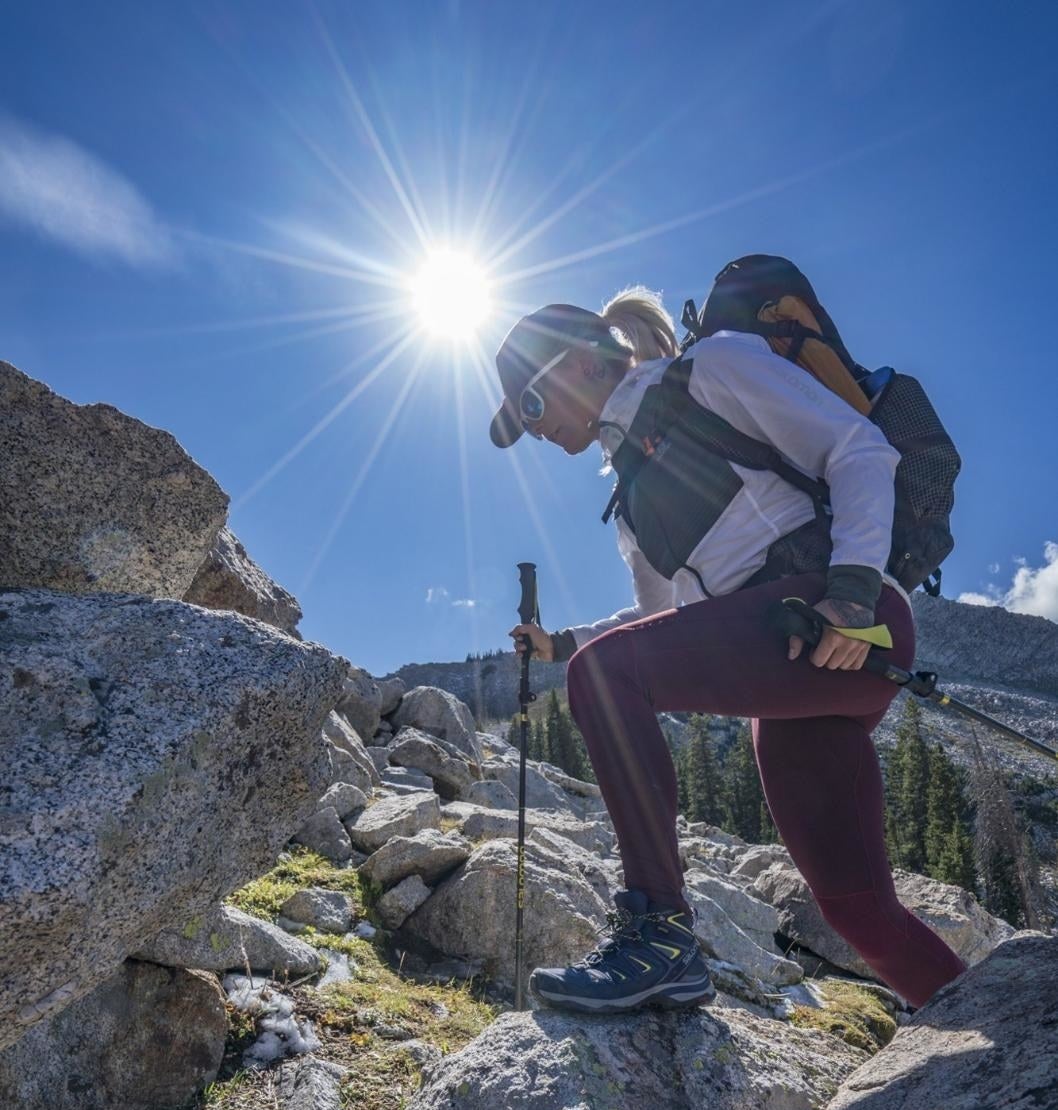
(530, 403)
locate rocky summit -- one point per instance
(237, 870)
(91, 499)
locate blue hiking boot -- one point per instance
(651, 958)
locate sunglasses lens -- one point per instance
(532, 405)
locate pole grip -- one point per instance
(529, 606)
(795, 617)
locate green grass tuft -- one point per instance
(851, 1013)
(303, 868)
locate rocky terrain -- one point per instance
(237, 870)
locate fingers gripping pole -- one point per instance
(794, 617)
(529, 612)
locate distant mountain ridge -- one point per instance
(986, 643)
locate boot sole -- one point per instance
(668, 996)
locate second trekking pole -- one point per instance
(529, 612)
(793, 616)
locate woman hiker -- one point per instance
(575, 377)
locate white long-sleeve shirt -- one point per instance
(740, 378)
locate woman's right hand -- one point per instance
(543, 649)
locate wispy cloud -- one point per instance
(439, 595)
(64, 193)
(1033, 589)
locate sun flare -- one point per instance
(451, 295)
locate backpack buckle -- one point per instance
(690, 320)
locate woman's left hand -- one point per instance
(835, 651)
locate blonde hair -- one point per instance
(643, 327)
(642, 324)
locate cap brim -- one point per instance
(506, 429)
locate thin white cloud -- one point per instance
(440, 594)
(1033, 590)
(63, 193)
(993, 568)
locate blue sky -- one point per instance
(207, 211)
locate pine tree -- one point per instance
(942, 806)
(907, 787)
(564, 741)
(956, 861)
(701, 779)
(570, 758)
(551, 728)
(769, 834)
(893, 773)
(999, 881)
(538, 745)
(679, 761)
(948, 841)
(1006, 862)
(586, 772)
(743, 796)
(558, 736)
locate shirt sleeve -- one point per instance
(740, 378)
(652, 591)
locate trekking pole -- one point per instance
(529, 612)
(794, 617)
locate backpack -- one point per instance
(673, 466)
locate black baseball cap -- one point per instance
(530, 345)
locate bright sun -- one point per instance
(451, 295)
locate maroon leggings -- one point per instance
(812, 737)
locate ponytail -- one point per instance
(643, 329)
(642, 324)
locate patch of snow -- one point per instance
(279, 1033)
(245, 993)
(339, 968)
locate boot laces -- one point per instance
(622, 926)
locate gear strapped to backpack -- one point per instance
(674, 466)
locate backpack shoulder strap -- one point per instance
(715, 434)
(670, 403)
(637, 447)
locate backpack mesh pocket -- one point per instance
(925, 480)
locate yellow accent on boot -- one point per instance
(676, 953)
(671, 919)
(649, 967)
